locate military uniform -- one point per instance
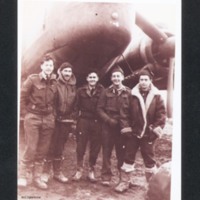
(88, 125)
(65, 101)
(109, 108)
(38, 104)
(146, 120)
(147, 111)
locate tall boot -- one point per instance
(125, 177)
(25, 174)
(57, 168)
(39, 183)
(29, 173)
(47, 171)
(124, 182)
(149, 172)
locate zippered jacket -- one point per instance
(112, 102)
(145, 116)
(86, 104)
(66, 97)
(38, 94)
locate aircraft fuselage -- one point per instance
(88, 35)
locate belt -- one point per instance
(39, 110)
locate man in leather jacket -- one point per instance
(66, 86)
(147, 116)
(38, 95)
(88, 125)
(109, 108)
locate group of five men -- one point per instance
(113, 117)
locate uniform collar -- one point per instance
(43, 76)
(119, 90)
(88, 90)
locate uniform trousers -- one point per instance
(88, 130)
(38, 133)
(59, 138)
(146, 147)
(111, 137)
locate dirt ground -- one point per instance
(84, 190)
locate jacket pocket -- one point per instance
(125, 100)
(53, 88)
(111, 102)
(49, 121)
(39, 86)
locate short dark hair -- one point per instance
(92, 71)
(147, 70)
(47, 58)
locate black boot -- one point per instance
(57, 168)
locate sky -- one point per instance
(165, 13)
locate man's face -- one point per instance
(117, 78)
(92, 79)
(144, 82)
(47, 67)
(66, 73)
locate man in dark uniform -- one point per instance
(89, 125)
(147, 119)
(37, 103)
(66, 85)
(109, 108)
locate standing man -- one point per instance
(89, 125)
(66, 85)
(147, 119)
(109, 108)
(37, 103)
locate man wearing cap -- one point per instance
(38, 94)
(147, 119)
(66, 85)
(109, 107)
(88, 125)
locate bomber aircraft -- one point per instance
(101, 35)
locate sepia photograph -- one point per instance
(99, 93)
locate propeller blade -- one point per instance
(150, 29)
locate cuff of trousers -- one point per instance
(127, 129)
(128, 167)
(152, 170)
(59, 158)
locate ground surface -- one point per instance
(84, 190)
